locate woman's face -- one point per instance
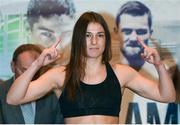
(95, 40)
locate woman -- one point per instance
(89, 88)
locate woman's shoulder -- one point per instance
(123, 69)
(120, 67)
(54, 71)
(57, 74)
(60, 67)
(124, 73)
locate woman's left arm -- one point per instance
(163, 91)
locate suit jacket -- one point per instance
(47, 109)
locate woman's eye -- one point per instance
(101, 35)
(88, 35)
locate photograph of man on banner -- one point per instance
(133, 20)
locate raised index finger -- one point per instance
(141, 42)
(58, 40)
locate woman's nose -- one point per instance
(94, 39)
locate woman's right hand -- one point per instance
(49, 55)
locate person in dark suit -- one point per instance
(46, 109)
(1, 81)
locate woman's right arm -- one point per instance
(24, 89)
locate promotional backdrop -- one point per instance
(15, 30)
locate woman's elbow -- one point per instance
(173, 98)
(11, 101)
(170, 99)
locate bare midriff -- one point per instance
(92, 119)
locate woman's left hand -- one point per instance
(150, 55)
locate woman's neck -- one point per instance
(94, 72)
(93, 65)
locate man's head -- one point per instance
(23, 57)
(48, 17)
(134, 19)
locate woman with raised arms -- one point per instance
(89, 88)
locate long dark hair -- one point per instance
(75, 70)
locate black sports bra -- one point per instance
(99, 99)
